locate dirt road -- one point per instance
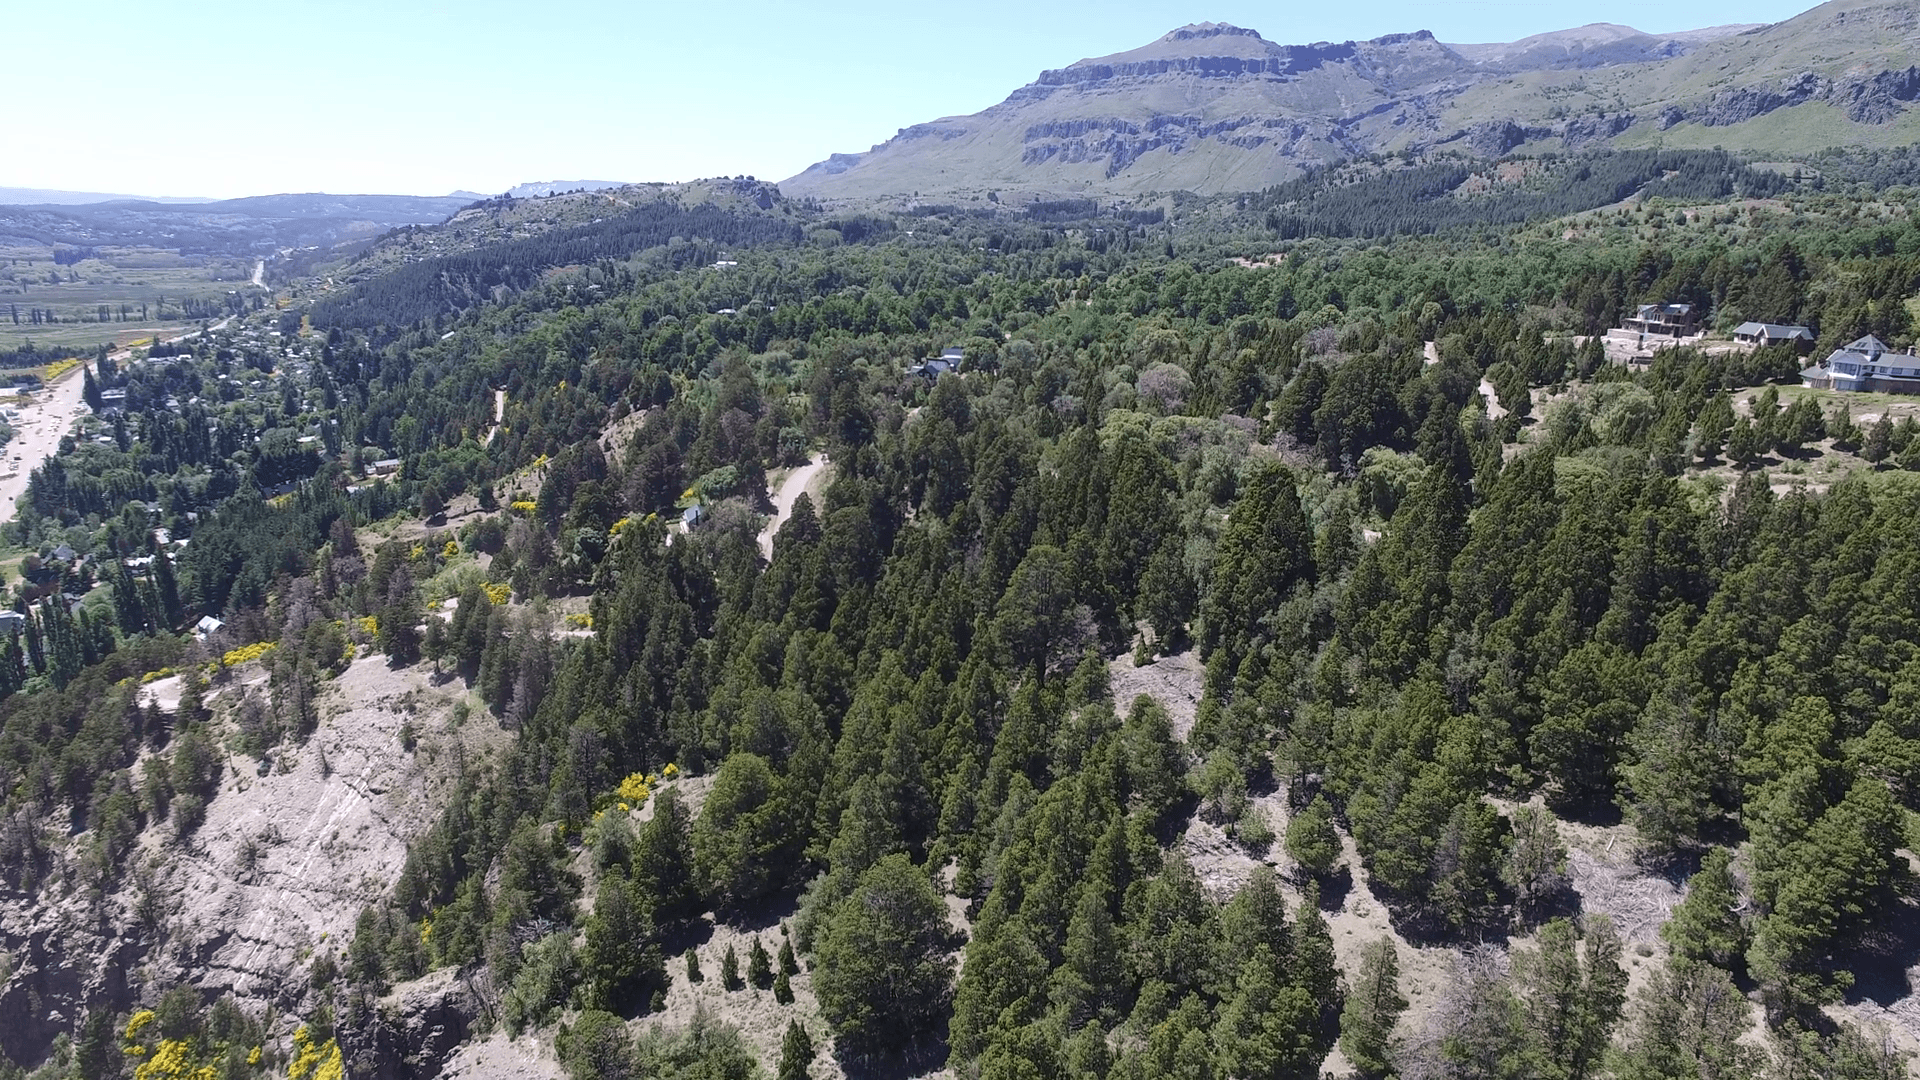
(796, 482)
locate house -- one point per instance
(935, 366)
(207, 626)
(1763, 333)
(12, 622)
(1866, 365)
(64, 554)
(384, 467)
(1664, 320)
(693, 515)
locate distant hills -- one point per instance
(537, 188)
(27, 196)
(1216, 108)
(250, 226)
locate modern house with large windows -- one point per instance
(1868, 366)
(1664, 320)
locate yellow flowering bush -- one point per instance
(498, 594)
(241, 655)
(369, 624)
(315, 1061)
(417, 552)
(253, 1056)
(523, 507)
(580, 621)
(172, 1060)
(670, 771)
(151, 676)
(135, 1025)
(60, 367)
(634, 789)
(450, 550)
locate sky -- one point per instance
(221, 99)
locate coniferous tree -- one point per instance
(783, 989)
(883, 975)
(796, 1053)
(1373, 1007)
(1878, 444)
(1312, 841)
(759, 965)
(1706, 927)
(663, 859)
(1687, 1021)
(730, 970)
(1711, 427)
(622, 959)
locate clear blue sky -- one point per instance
(216, 98)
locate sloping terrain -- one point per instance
(291, 848)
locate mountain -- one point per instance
(26, 196)
(554, 187)
(1213, 107)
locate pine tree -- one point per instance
(796, 1054)
(883, 974)
(1745, 443)
(1536, 864)
(1312, 841)
(782, 989)
(1706, 925)
(730, 970)
(759, 966)
(1711, 427)
(1373, 1007)
(1571, 1006)
(1878, 444)
(789, 965)
(622, 959)
(694, 974)
(1687, 1021)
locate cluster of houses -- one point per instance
(1866, 365)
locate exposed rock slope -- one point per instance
(291, 849)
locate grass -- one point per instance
(130, 277)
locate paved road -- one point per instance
(48, 416)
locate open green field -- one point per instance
(142, 290)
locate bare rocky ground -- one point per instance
(1174, 681)
(290, 851)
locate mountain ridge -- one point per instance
(1214, 107)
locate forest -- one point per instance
(1442, 634)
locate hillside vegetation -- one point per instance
(1266, 655)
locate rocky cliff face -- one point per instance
(1252, 113)
(290, 851)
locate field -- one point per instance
(142, 290)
